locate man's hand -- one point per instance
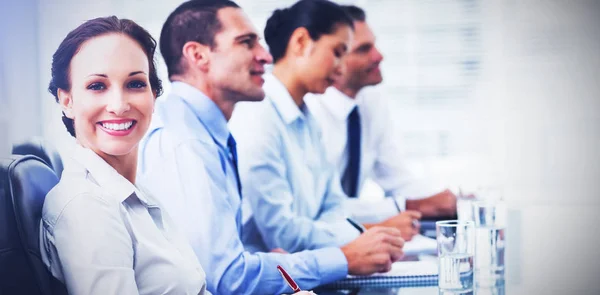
(404, 223)
(374, 251)
(440, 204)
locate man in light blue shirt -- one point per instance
(188, 159)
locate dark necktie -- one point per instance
(350, 176)
(232, 149)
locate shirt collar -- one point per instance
(205, 110)
(106, 176)
(282, 100)
(338, 103)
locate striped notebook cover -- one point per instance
(403, 274)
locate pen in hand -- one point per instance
(357, 225)
(288, 279)
(415, 223)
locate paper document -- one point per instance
(410, 268)
(420, 245)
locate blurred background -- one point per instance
(503, 93)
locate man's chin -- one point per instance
(375, 80)
(257, 96)
(237, 96)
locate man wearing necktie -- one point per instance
(189, 159)
(350, 175)
(234, 160)
(360, 140)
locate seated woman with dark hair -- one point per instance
(100, 233)
(295, 197)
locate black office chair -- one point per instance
(42, 149)
(25, 181)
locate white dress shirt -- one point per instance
(100, 234)
(295, 196)
(379, 158)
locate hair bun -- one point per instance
(275, 22)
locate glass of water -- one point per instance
(464, 208)
(456, 247)
(490, 225)
(464, 201)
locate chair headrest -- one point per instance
(42, 149)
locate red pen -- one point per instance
(288, 279)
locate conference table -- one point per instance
(551, 249)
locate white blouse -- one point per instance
(102, 235)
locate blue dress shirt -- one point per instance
(185, 162)
(295, 195)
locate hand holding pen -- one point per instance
(374, 250)
(406, 221)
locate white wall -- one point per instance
(20, 107)
(548, 122)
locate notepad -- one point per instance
(402, 274)
(420, 245)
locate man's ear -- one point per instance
(66, 102)
(300, 43)
(196, 55)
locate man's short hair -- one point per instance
(355, 12)
(194, 20)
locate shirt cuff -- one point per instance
(332, 264)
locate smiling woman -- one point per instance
(110, 106)
(75, 41)
(101, 233)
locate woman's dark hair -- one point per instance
(317, 16)
(355, 12)
(61, 60)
